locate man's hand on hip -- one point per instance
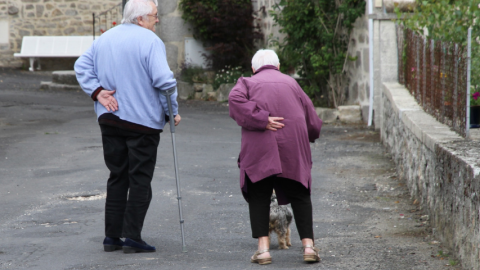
(273, 123)
(106, 98)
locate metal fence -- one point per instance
(107, 19)
(435, 73)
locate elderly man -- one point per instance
(278, 120)
(125, 72)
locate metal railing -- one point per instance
(107, 19)
(435, 73)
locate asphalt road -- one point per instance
(52, 189)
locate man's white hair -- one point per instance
(137, 8)
(263, 58)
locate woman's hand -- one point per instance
(273, 123)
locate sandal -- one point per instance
(261, 261)
(311, 257)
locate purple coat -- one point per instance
(285, 152)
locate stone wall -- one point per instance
(45, 18)
(441, 169)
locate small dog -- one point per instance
(280, 219)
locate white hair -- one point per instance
(263, 58)
(137, 8)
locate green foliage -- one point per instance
(229, 75)
(226, 27)
(449, 20)
(316, 43)
(446, 20)
(452, 262)
(442, 254)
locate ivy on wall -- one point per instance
(316, 44)
(226, 27)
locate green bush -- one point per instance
(226, 27)
(191, 73)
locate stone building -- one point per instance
(19, 18)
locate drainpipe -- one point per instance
(370, 60)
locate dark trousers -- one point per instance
(130, 157)
(259, 195)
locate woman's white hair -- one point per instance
(263, 58)
(137, 8)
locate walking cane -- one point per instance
(168, 93)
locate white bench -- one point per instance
(35, 47)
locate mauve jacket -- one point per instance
(285, 152)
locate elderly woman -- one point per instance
(278, 121)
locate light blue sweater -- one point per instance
(131, 60)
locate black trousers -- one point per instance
(259, 195)
(131, 158)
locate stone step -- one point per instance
(350, 114)
(66, 77)
(327, 115)
(203, 91)
(51, 86)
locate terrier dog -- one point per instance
(280, 219)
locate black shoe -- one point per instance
(131, 246)
(112, 244)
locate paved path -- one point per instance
(52, 179)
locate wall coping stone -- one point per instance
(426, 128)
(440, 168)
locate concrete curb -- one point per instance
(62, 80)
(51, 86)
